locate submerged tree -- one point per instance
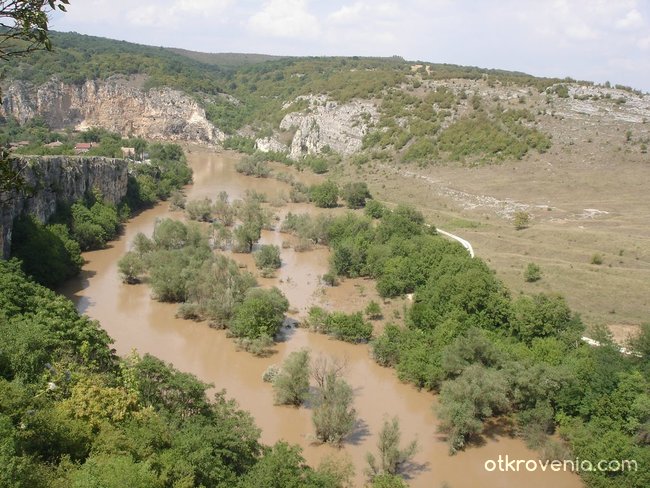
(291, 385)
(391, 457)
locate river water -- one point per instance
(135, 321)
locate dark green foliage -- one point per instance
(72, 414)
(342, 326)
(544, 316)
(355, 194)
(93, 226)
(325, 195)
(373, 310)
(47, 252)
(244, 145)
(465, 289)
(375, 209)
(260, 314)
(348, 327)
(283, 466)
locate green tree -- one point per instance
(260, 314)
(355, 194)
(391, 457)
(291, 385)
(131, 267)
(478, 393)
(333, 415)
(325, 195)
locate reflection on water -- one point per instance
(135, 321)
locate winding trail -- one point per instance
(466, 244)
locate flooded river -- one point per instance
(135, 321)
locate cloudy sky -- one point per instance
(596, 40)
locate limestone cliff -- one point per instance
(118, 104)
(329, 123)
(58, 179)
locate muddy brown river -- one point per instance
(135, 321)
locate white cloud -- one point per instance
(632, 20)
(366, 12)
(285, 18)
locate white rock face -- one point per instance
(270, 144)
(116, 105)
(341, 127)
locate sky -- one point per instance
(595, 40)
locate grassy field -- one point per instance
(589, 194)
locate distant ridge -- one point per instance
(226, 59)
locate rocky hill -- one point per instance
(119, 104)
(52, 180)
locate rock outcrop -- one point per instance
(327, 123)
(270, 144)
(58, 179)
(118, 104)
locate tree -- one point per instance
(391, 457)
(268, 256)
(24, 25)
(333, 415)
(478, 393)
(355, 194)
(261, 313)
(291, 385)
(131, 267)
(325, 195)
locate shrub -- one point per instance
(349, 327)
(199, 210)
(355, 194)
(291, 385)
(325, 195)
(267, 257)
(597, 259)
(532, 273)
(375, 209)
(261, 313)
(521, 220)
(373, 311)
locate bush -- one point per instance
(325, 195)
(355, 194)
(532, 273)
(267, 257)
(261, 313)
(521, 220)
(375, 209)
(349, 327)
(597, 259)
(47, 252)
(373, 311)
(291, 385)
(199, 210)
(253, 166)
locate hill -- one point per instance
(469, 146)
